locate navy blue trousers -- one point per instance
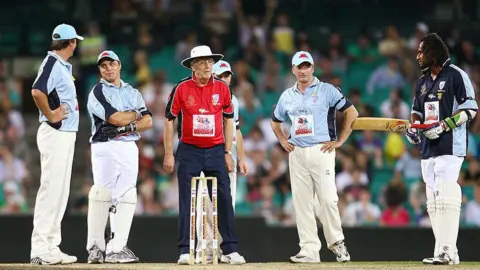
(192, 160)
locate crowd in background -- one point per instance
(378, 175)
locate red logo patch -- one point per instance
(303, 55)
(223, 65)
(105, 54)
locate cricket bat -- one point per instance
(386, 124)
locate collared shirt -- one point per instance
(200, 111)
(438, 99)
(106, 99)
(312, 113)
(236, 126)
(55, 79)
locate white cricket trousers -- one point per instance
(56, 157)
(198, 221)
(115, 166)
(312, 172)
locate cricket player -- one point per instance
(310, 105)
(202, 104)
(223, 71)
(118, 115)
(55, 95)
(443, 95)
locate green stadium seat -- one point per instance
(10, 40)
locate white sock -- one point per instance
(99, 201)
(449, 202)
(121, 220)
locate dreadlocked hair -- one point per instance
(434, 50)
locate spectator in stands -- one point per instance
(362, 50)
(353, 190)
(468, 59)
(284, 35)
(472, 172)
(408, 166)
(361, 212)
(169, 199)
(148, 196)
(250, 108)
(19, 147)
(14, 199)
(185, 45)
(396, 97)
(345, 177)
(392, 44)
(93, 44)
(472, 211)
(215, 18)
(324, 70)
(395, 214)
(251, 26)
(371, 145)
(336, 53)
(421, 30)
(386, 77)
(142, 68)
(145, 40)
(11, 168)
(157, 90)
(418, 200)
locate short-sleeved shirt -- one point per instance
(438, 99)
(55, 79)
(200, 111)
(312, 113)
(106, 99)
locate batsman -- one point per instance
(118, 115)
(444, 95)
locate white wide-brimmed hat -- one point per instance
(200, 51)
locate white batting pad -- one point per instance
(433, 214)
(99, 201)
(449, 201)
(121, 220)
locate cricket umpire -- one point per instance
(118, 113)
(311, 105)
(55, 95)
(202, 103)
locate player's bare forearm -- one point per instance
(168, 136)
(41, 100)
(240, 150)
(227, 131)
(278, 131)
(144, 123)
(351, 114)
(121, 119)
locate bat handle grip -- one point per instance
(421, 126)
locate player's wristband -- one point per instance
(229, 152)
(138, 114)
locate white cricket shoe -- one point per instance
(124, 256)
(299, 258)
(184, 259)
(233, 258)
(430, 260)
(48, 259)
(444, 259)
(198, 258)
(341, 252)
(66, 259)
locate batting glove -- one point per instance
(435, 131)
(412, 136)
(112, 132)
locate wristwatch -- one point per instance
(229, 152)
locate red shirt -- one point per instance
(200, 111)
(393, 218)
